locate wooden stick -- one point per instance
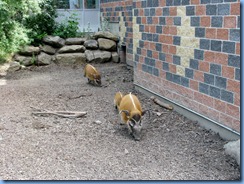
(64, 114)
(162, 104)
(82, 95)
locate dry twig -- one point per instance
(162, 104)
(63, 114)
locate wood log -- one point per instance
(63, 114)
(162, 104)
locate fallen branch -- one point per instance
(82, 95)
(162, 104)
(63, 114)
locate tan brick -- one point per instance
(185, 62)
(185, 21)
(184, 51)
(186, 31)
(180, 70)
(181, 11)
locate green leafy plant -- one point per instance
(68, 28)
(13, 34)
(42, 23)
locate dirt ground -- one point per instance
(97, 147)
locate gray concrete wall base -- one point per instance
(224, 132)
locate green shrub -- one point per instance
(13, 34)
(68, 28)
(42, 23)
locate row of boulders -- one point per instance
(102, 47)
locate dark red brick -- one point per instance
(235, 9)
(228, 72)
(223, 34)
(201, 10)
(204, 66)
(211, 33)
(233, 111)
(205, 21)
(233, 85)
(230, 22)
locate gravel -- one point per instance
(97, 146)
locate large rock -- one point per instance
(106, 34)
(25, 60)
(91, 44)
(75, 41)
(14, 66)
(29, 51)
(72, 48)
(97, 56)
(70, 58)
(48, 49)
(44, 59)
(54, 41)
(233, 149)
(115, 57)
(106, 44)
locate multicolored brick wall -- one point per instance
(187, 51)
(121, 12)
